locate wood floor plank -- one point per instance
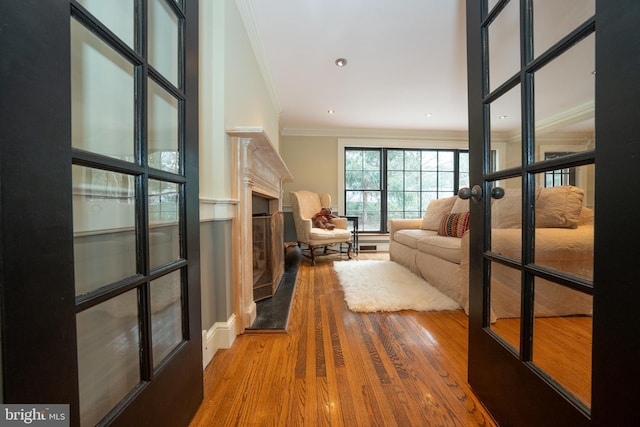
(335, 367)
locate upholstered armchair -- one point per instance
(305, 204)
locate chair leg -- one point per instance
(313, 256)
(349, 250)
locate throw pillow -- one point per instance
(454, 225)
(436, 209)
(559, 207)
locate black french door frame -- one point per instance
(514, 391)
(39, 306)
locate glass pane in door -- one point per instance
(108, 355)
(117, 15)
(504, 45)
(164, 220)
(491, 4)
(565, 102)
(505, 290)
(562, 336)
(506, 131)
(564, 223)
(163, 40)
(163, 129)
(166, 315)
(104, 240)
(506, 220)
(102, 90)
(554, 19)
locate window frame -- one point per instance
(449, 142)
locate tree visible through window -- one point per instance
(385, 183)
(363, 186)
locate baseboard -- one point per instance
(220, 335)
(373, 242)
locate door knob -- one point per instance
(497, 193)
(475, 193)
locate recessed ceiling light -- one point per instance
(330, 111)
(427, 114)
(502, 117)
(341, 62)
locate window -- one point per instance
(389, 183)
(565, 176)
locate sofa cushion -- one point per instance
(454, 224)
(444, 247)
(436, 209)
(460, 205)
(410, 237)
(507, 211)
(559, 207)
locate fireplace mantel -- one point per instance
(257, 169)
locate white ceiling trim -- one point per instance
(574, 115)
(245, 8)
(426, 135)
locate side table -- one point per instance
(354, 230)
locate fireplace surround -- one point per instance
(257, 171)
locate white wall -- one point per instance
(215, 157)
(232, 93)
(248, 102)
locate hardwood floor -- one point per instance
(338, 368)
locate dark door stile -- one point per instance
(39, 338)
(514, 391)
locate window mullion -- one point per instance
(383, 190)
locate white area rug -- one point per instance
(372, 285)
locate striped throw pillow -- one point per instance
(454, 225)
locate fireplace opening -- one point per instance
(267, 232)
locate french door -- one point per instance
(553, 90)
(100, 207)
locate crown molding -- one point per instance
(572, 116)
(547, 129)
(245, 8)
(440, 135)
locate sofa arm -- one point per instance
(403, 224)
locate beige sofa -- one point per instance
(563, 240)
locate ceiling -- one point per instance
(406, 65)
